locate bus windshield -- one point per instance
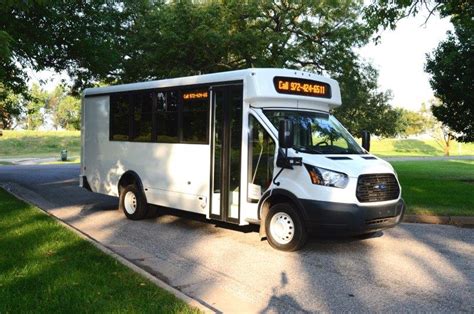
(316, 133)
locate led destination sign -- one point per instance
(195, 95)
(296, 86)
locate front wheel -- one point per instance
(133, 203)
(284, 227)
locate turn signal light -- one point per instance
(315, 179)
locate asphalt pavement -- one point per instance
(413, 267)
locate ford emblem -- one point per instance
(381, 187)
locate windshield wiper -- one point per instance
(307, 150)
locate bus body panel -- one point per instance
(174, 175)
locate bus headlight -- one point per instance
(327, 177)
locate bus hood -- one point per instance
(352, 165)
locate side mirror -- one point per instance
(285, 134)
(366, 140)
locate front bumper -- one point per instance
(341, 218)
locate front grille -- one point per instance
(377, 188)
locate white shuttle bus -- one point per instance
(254, 146)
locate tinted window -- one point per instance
(173, 116)
(119, 117)
(167, 117)
(142, 117)
(195, 116)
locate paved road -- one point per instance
(409, 268)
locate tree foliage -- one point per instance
(81, 37)
(11, 107)
(68, 113)
(35, 108)
(416, 122)
(126, 41)
(451, 66)
(186, 38)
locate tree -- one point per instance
(54, 99)
(415, 122)
(452, 75)
(68, 114)
(443, 137)
(185, 38)
(11, 107)
(35, 107)
(82, 37)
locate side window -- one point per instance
(160, 116)
(195, 116)
(261, 160)
(142, 117)
(167, 117)
(119, 117)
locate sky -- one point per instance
(400, 57)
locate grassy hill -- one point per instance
(39, 143)
(414, 147)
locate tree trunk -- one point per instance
(446, 148)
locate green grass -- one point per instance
(46, 268)
(413, 147)
(437, 187)
(39, 143)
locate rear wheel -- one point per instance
(133, 202)
(284, 227)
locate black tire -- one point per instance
(299, 233)
(140, 205)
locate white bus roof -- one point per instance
(259, 84)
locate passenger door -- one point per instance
(226, 141)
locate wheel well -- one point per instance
(275, 199)
(278, 196)
(129, 177)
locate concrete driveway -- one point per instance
(412, 267)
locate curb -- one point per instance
(460, 221)
(12, 189)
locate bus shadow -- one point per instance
(195, 221)
(188, 219)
